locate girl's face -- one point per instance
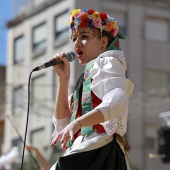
(87, 44)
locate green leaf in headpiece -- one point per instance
(121, 36)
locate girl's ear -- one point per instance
(105, 41)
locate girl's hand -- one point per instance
(66, 134)
(63, 69)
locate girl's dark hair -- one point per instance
(105, 33)
(109, 36)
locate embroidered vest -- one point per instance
(86, 102)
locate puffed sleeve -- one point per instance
(110, 84)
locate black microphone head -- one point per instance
(70, 56)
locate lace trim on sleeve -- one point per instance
(60, 124)
(117, 103)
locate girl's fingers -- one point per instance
(55, 140)
(61, 56)
(52, 143)
(64, 137)
(71, 135)
(64, 142)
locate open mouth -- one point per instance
(79, 53)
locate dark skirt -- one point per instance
(108, 157)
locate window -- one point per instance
(39, 38)
(156, 30)
(37, 138)
(61, 28)
(18, 49)
(38, 91)
(150, 142)
(17, 143)
(18, 100)
(158, 79)
(151, 128)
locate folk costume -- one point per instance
(103, 85)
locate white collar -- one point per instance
(118, 54)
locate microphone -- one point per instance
(70, 56)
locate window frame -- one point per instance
(18, 145)
(33, 132)
(14, 105)
(14, 52)
(38, 52)
(32, 92)
(60, 40)
(151, 39)
(153, 71)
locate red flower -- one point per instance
(117, 44)
(112, 31)
(73, 19)
(84, 98)
(103, 15)
(90, 11)
(84, 22)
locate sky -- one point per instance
(5, 15)
(8, 9)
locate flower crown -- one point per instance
(90, 18)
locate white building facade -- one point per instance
(41, 30)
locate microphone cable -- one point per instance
(70, 56)
(35, 161)
(26, 128)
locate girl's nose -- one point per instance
(77, 42)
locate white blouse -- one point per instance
(109, 84)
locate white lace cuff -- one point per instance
(114, 108)
(60, 124)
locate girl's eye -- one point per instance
(74, 39)
(84, 37)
